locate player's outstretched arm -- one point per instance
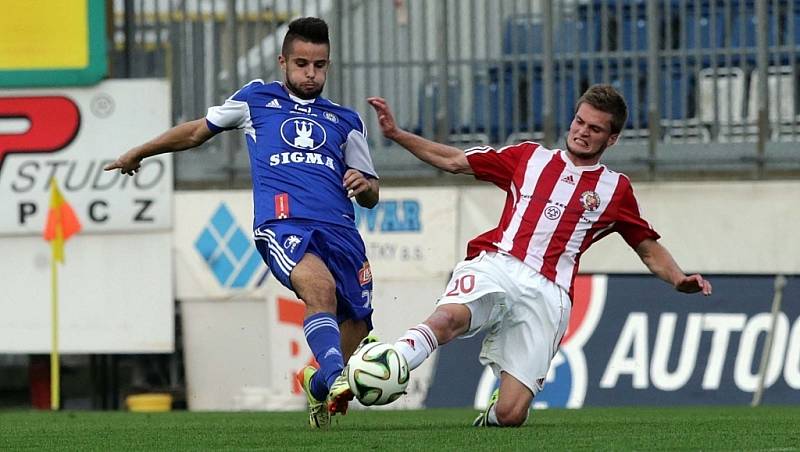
(183, 136)
(446, 158)
(659, 260)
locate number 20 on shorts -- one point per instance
(462, 285)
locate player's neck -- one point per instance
(293, 95)
(592, 159)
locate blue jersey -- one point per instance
(299, 151)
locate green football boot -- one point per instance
(483, 418)
(318, 416)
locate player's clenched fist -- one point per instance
(355, 183)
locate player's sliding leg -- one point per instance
(314, 284)
(417, 344)
(447, 322)
(509, 405)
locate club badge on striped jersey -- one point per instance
(590, 200)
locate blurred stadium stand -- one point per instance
(688, 69)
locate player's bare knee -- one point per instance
(446, 324)
(511, 411)
(511, 415)
(320, 302)
(323, 306)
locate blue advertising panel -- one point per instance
(634, 341)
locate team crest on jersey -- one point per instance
(590, 200)
(331, 117)
(303, 133)
(365, 274)
(552, 212)
(291, 243)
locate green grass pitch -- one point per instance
(774, 428)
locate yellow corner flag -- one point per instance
(62, 223)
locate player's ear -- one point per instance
(612, 139)
(282, 61)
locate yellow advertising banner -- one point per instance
(40, 34)
(52, 43)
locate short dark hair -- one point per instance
(308, 29)
(607, 99)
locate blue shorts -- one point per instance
(282, 243)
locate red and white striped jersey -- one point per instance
(553, 209)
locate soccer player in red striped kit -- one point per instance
(517, 279)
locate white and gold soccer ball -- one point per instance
(377, 374)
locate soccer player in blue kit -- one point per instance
(308, 158)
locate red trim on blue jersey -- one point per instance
(281, 206)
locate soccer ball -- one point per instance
(377, 374)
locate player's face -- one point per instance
(589, 135)
(305, 68)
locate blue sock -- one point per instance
(322, 335)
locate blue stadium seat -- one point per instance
(705, 33)
(632, 83)
(486, 107)
(634, 33)
(429, 99)
(626, 31)
(744, 28)
(629, 78)
(680, 86)
(525, 35)
(522, 35)
(793, 36)
(633, 87)
(567, 92)
(564, 96)
(619, 34)
(572, 35)
(496, 102)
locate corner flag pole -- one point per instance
(61, 224)
(55, 366)
(780, 283)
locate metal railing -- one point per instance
(711, 84)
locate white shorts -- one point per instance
(526, 314)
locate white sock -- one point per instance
(491, 418)
(416, 345)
